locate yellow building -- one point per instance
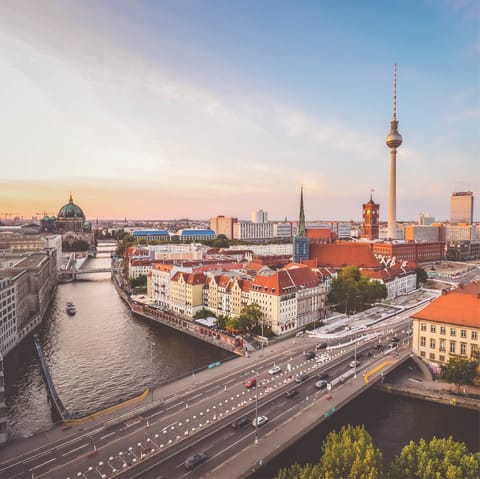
(186, 293)
(449, 326)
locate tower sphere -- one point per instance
(393, 139)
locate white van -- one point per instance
(300, 333)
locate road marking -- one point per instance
(44, 463)
(155, 414)
(74, 450)
(107, 435)
(175, 405)
(197, 396)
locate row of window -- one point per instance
(453, 331)
(442, 345)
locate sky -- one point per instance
(196, 108)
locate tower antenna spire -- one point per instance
(395, 92)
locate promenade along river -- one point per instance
(103, 355)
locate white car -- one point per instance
(260, 420)
(322, 358)
(354, 364)
(275, 369)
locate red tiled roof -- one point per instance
(285, 281)
(319, 233)
(344, 254)
(460, 306)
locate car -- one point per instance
(195, 460)
(309, 354)
(379, 347)
(395, 339)
(300, 333)
(321, 346)
(292, 393)
(240, 422)
(299, 378)
(259, 421)
(323, 375)
(275, 369)
(321, 384)
(354, 364)
(250, 383)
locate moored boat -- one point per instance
(71, 310)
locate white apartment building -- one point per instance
(460, 233)
(259, 216)
(282, 230)
(244, 230)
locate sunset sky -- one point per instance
(196, 108)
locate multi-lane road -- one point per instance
(196, 415)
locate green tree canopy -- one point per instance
(422, 276)
(351, 292)
(438, 459)
(250, 316)
(350, 454)
(126, 241)
(296, 471)
(459, 371)
(139, 282)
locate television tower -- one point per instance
(393, 140)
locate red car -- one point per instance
(250, 383)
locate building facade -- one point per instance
(448, 327)
(461, 207)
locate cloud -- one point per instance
(463, 115)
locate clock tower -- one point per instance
(370, 219)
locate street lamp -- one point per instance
(151, 366)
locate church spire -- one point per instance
(301, 218)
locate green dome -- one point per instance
(70, 210)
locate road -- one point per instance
(196, 415)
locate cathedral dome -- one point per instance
(71, 210)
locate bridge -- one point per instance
(195, 413)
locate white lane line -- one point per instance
(74, 450)
(44, 463)
(107, 435)
(197, 396)
(175, 405)
(155, 414)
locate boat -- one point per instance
(71, 310)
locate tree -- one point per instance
(422, 276)
(126, 241)
(296, 471)
(139, 282)
(250, 316)
(350, 454)
(459, 371)
(350, 292)
(440, 458)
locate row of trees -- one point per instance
(351, 454)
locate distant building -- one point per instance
(449, 326)
(223, 225)
(259, 216)
(422, 233)
(370, 219)
(425, 219)
(244, 230)
(151, 235)
(196, 235)
(300, 241)
(282, 230)
(409, 251)
(461, 207)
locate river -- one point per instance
(104, 355)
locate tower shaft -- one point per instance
(392, 200)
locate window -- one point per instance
(433, 328)
(422, 353)
(423, 341)
(453, 332)
(452, 347)
(442, 329)
(432, 355)
(441, 358)
(423, 327)
(463, 349)
(463, 333)
(442, 345)
(432, 343)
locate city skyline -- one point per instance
(197, 109)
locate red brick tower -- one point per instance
(370, 219)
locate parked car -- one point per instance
(195, 460)
(275, 369)
(379, 347)
(321, 384)
(300, 333)
(260, 420)
(299, 378)
(309, 354)
(250, 383)
(395, 339)
(240, 422)
(323, 375)
(292, 393)
(321, 346)
(354, 364)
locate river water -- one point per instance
(104, 355)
